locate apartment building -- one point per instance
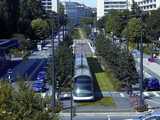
(105, 6)
(148, 5)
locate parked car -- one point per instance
(42, 75)
(38, 86)
(151, 59)
(151, 83)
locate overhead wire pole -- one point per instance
(127, 29)
(53, 102)
(141, 101)
(69, 32)
(71, 114)
(53, 72)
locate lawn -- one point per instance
(79, 33)
(106, 101)
(105, 79)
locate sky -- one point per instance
(90, 3)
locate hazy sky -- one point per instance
(91, 3)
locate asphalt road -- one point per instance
(103, 116)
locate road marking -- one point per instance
(109, 118)
(122, 95)
(156, 94)
(146, 94)
(155, 102)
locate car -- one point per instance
(38, 87)
(151, 59)
(149, 116)
(42, 75)
(151, 83)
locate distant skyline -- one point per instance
(90, 3)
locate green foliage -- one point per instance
(28, 10)
(40, 28)
(23, 104)
(63, 63)
(153, 26)
(8, 17)
(114, 22)
(87, 21)
(117, 59)
(133, 30)
(76, 33)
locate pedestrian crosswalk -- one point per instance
(124, 94)
(152, 94)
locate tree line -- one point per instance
(129, 24)
(63, 64)
(116, 59)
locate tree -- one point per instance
(40, 28)
(153, 25)
(133, 30)
(102, 22)
(23, 104)
(113, 20)
(63, 63)
(117, 59)
(8, 17)
(28, 10)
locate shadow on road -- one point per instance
(95, 68)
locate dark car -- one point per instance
(151, 83)
(151, 59)
(38, 87)
(42, 75)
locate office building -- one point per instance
(104, 6)
(75, 11)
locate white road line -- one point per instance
(122, 95)
(146, 94)
(156, 94)
(155, 102)
(109, 118)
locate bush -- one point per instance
(141, 109)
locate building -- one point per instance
(148, 5)
(105, 6)
(50, 5)
(75, 11)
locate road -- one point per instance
(103, 116)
